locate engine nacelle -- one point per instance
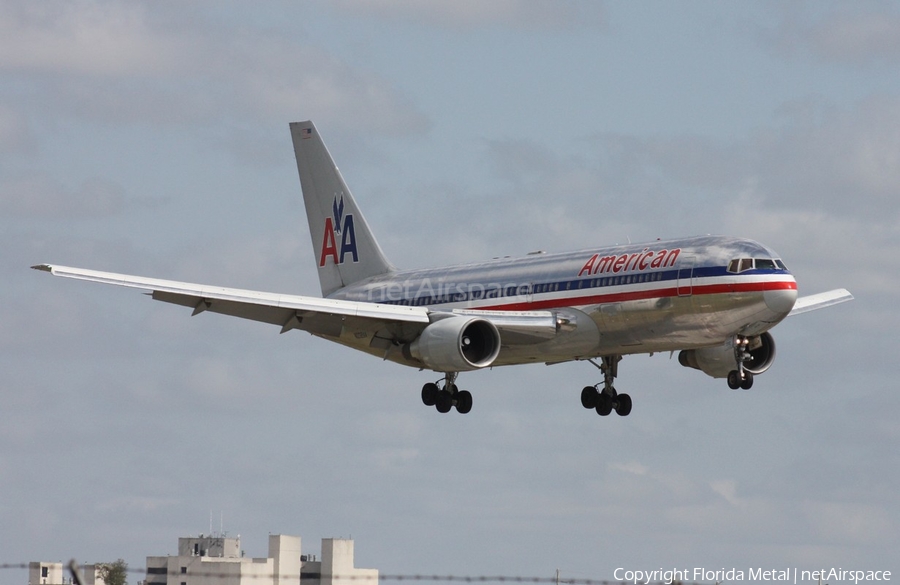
(719, 361)
(456, 344)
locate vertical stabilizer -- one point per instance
(345, 249)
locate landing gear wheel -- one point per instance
(589, 397)
(463, 402)
(734, 379)
(604, 404)
(623, 405)
(429, 394)
(444, 401)
(605, 400)
(747, 382)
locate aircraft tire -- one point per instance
(589, 397)
(464, 402)
(444, 401)
(623, 405)
(747, 382)
(604, 404)
(429, 394)
(734, 379)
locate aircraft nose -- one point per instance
(780, 301)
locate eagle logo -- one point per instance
(339, 237)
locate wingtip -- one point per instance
(43, 267)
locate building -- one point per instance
(42, 573)
(218, 560)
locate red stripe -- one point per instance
(708, 289)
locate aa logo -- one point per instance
(339, 238)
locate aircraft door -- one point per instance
(685, 284)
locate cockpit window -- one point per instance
(739, 265)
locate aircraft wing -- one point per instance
(820, 301)
(316, 315)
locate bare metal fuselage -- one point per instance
(641, 298)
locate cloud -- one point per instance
(630, 467)
(37, 195)
(16, 135)
(543, 15)
(847, 159)
(86, 37)
(816, 171)
(141, 504)
(111, 63)
(848, 522)
(727, 488)
(263, 260)
(841, 35)
(844, 162)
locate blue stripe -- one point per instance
(576, 284)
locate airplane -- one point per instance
(713, 299)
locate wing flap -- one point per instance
(318, 323)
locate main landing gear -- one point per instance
(741, 377)
(606, 400)
(443, 399)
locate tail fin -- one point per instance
(345, 249)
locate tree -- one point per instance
(113, 573)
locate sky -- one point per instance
(152, 138)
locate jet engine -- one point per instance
(456, 344)
(720, 360)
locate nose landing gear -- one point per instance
(741, 377)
